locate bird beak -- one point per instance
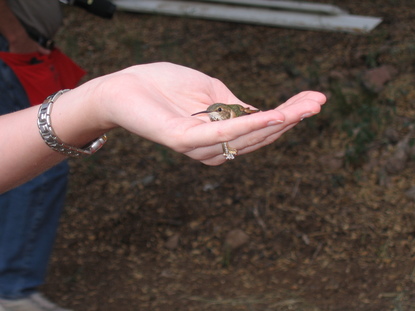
(200, 112)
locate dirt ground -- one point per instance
(325, 215)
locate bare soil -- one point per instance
(330, 224)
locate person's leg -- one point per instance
(29, 217)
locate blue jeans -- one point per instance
(29, 214)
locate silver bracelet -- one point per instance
(44, 124)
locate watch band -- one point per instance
(44, 124)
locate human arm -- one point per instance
(154, 101)
(15, 34)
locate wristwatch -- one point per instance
(44, 124)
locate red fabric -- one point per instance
(42, 75)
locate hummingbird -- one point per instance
(218, 112)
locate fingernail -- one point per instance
(306, 115)
(275, 122)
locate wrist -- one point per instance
(113, 94)
(75, 121)
(53, 141)
(102, 96)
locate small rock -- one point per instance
(172, 242)
(236, 238)
(375, 79)
(410, 193)
(147, 180)
(397, 161)
(337, 75)
(334, 161)
(166, 273)
(210, 186)
(384, 179)
(392, 135)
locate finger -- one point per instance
(255, 135)
(304, 105)
(266, 141)
(293, 113)
(213, 155)
(243, 144)
(43, 51)
(313, 96)
(215, 161)
(211, 133)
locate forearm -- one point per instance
(23, 152)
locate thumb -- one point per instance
(42, 50)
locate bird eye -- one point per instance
(219, 109)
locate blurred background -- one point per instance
(323, 219)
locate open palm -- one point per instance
(161, 97)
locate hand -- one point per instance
(156, 101)
(15, 34)
(24, 44)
